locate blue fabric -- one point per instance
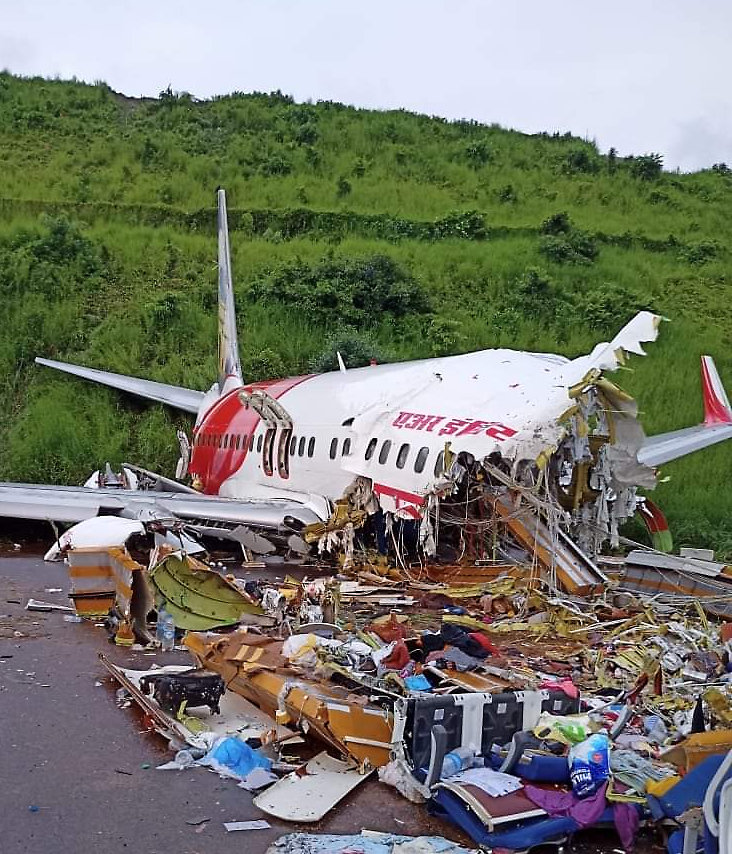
(417, 683)
(236, 756)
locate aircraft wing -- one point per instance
(716, 427)
(179, 398)
(76, 503)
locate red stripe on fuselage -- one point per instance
(219, 446)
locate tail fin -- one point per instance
(229, 362)
(716, 403)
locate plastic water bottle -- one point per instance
(168, 632)
(456, 761)
(159, 626)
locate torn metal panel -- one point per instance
(309, 796)
(200, 598)
(556, 554)
(104, 577)
(254, 667)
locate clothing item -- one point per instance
(458, 637)
(492, 782)
(587, 811)
(566, 686)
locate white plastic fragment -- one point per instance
(258, 824)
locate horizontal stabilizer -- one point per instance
(179, 398)
(716, 427)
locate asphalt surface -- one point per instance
(78, 774)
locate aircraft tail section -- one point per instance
(716, 426)
(716, 403)
(229, 362)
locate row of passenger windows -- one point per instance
(298, 445)
(420, 458)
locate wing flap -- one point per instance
(185, 399)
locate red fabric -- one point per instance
(487, 645)
(565, 685)
(397, 658)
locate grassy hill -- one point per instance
(384, 233)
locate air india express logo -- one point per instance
(452, 426)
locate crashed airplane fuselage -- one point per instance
(410, 432)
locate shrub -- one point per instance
(477, 153)
(557, 223)
(647, 168)
(357, 349)
(468, 225)
(580, 160)
(575, 248)
(266, 364)
(354, 291)
(507, 194)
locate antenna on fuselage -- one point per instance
(229, 362)
(341, 363)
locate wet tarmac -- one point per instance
(78, 774)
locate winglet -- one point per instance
(716, 403)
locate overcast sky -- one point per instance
(639, 75)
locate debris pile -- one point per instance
(520, 704)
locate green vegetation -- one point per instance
(379, 234)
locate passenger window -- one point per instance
(226, 440)
(251, 442)
(370, 449)
(333, 448)
(301, 446)
(293, 445)
(402, 456)
(311, 446)
(346, 449)
(439, 463)
(244, 440)
(384, 452)
(421, 459)
(259, 443)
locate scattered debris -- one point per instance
(35, 605)
(258, 824)
(468, 685)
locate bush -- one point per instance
(357, 349)
(557, 223)
(477, 153)
(576, 248)
(700, 253)
(443, 336)
(647, 168)
(564, 244)
(507, 194)
(607, 307)
(468, 225)
(353, 291)
(263, 365)
(580, 160)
